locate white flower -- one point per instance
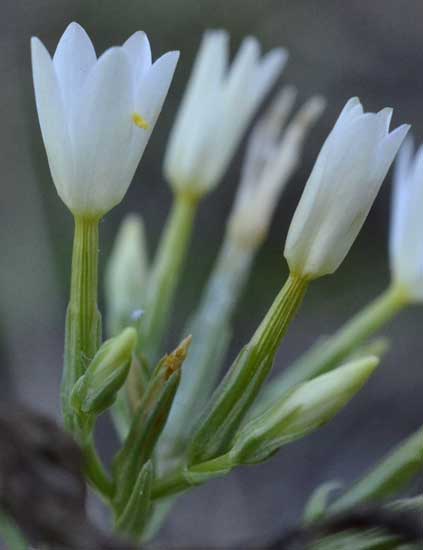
(343, 184)
(406, 238)
(217, 106)
(96, 116)
(272, 156)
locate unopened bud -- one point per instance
(306, 408)
(96, 390)
(126, 274)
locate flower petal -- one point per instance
(149, 99)
(51, 114)
(74, 58)
(139, 52)
(101, 134)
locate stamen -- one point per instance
(140, 121)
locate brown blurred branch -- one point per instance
(41, 483)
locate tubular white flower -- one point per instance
(218, 105)
(343, 184)
(272, 157)
(96, 116)
(406, 238)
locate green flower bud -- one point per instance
(147, 424)
(126, 274)
(302, 411)
(96, 390)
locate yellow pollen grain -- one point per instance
(140, 121)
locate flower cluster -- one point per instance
(179, 427)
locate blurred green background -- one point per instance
(339, 49)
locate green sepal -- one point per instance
(317, 504)
(236, 393)
(136, 513)
(301, 411)
(370, 539)
(96, 390)
(228, 406)
(147, 425)
(388, 477)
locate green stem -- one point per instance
(11, 535)
(171, 484)
(180, 480)
(95, 472)
(210, 329)
(236, 393)
(273, 327)
(329, 353)
(165, 274)
(83, 338)
(83, 320)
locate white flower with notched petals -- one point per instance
(340, 191)
(406, 238)
(273, 154)
(217, 106)
(96, 115)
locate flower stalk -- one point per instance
(165, 274)
(83, 319)
(330, 352)
(238, 390)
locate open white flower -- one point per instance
(272, 156)
(218, 105)
(406, 238)
(96, 115)
(340, 191)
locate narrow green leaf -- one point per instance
(388, 477)
(135, 515)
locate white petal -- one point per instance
(149, 99)
(101, 134)
(242, 69)
(190, 129)
(52, 118)
(388, 148)
(139, 51)
(73, 59)
(341, 189)
(155, 86)
(385, 115)
(268, 71)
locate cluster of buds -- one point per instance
(77, 97)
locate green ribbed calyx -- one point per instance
(238, 390)
(83, 319)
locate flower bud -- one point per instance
(406, 242)
(272, 156)
(305, 409)
(96, 390)
(218, 104)
(341, 189)
(148, 422)
(126, 273)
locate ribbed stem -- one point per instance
(272, 329)
(165, 275)
(83, 320)
(236, 393)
